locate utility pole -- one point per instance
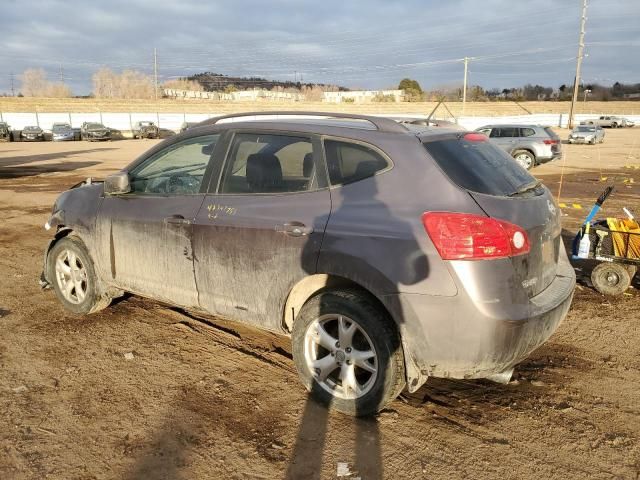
(61, 74)
(576, 83)
(464, 85)
(155, 73)
(13, 91)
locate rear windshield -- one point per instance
(550, 132)
(479, 166)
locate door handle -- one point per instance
(294, 229)
(177, 220)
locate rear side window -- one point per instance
(527, 132)
(551, 133)
(479, 166)
(349, 162)
(266, 163)
(508, 132)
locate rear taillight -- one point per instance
(551, 142)
(475, 137)
(463, 236)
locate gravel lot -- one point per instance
(141, 390)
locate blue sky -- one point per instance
(370, 44)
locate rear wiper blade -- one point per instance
(526, 187)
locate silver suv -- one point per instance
(530, 145)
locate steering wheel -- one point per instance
(181, 184)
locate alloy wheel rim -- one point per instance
(524, 160)
(340, 356)
(71, 275)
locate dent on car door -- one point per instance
(260, 231)
(146, 234)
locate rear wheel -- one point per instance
(72, 274)
(614, 125)
(611, 278)
(347, 352)
(524, 158)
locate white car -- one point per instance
(587, 134)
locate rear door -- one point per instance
(260, 228)
(504, 137)
(498, 185)
(146, 234)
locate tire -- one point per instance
(524, 158)
(371, 331)
(614, 125)
(69, 264)
(610, 278)
(592, 142)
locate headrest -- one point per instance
(264, 173)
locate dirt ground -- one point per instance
(142, 391)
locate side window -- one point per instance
(527, 132)
(508, 132)
(495, 132)
(486, 131)
(176, 170)
(267, 163)
(349, 162)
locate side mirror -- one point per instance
(117, 184)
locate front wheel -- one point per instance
(72, 274)
(348, 352)
(611, 278)
(524, 158)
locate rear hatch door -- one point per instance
(505, 191)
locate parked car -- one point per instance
(5, 132)
(529, 145)
(32, 133)
(387, 255)
(145, 130)
(94, 131)
(630, 123)
(587, 134)
(62, 132)
(607, 121)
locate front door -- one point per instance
(260, 231)
(146, 234)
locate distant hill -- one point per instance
(213, 82)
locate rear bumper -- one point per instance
(459, 337)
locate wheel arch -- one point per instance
(311, 285)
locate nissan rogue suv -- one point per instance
(387, 254)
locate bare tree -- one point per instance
(129, 84)
(34, 82)
(57, 90)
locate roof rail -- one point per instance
(383, 124)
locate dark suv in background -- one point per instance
(530, 145)
(387, 254)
